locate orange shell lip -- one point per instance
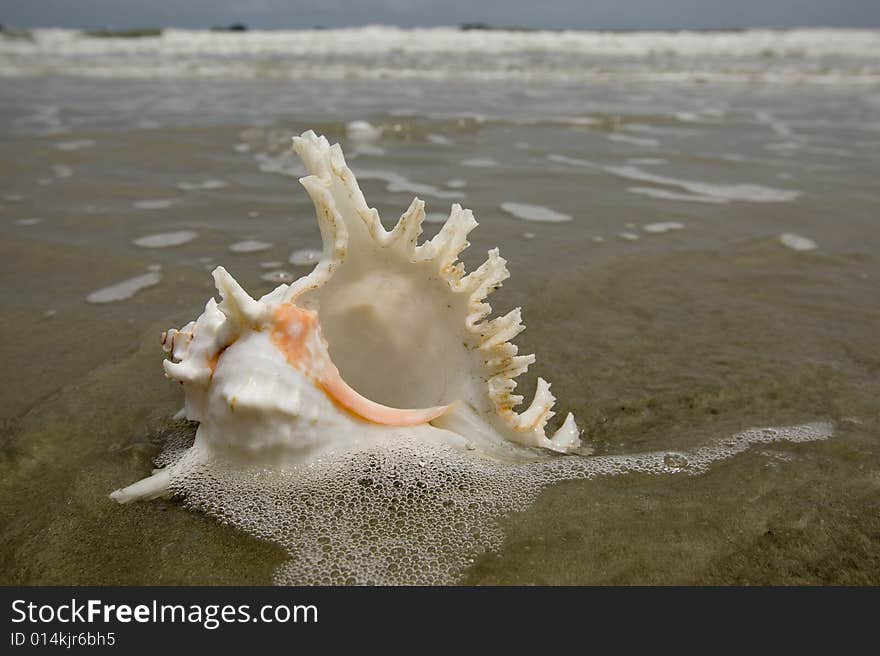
(293, 328)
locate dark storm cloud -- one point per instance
(584, 14)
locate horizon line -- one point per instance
(476, 27)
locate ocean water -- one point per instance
(690, 221)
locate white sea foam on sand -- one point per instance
(534, 213)
(456, 183)
(573, 161)
(700, 192)
(13, 198)
(284, 163)
(76, 144)
(666, 194)
(797, 243)
(436, 217)
(271, 265)
(27, 222)
(646, 161)
(398, 183)
(744, 192)
(628, 236)
(480, 162)
(165, 239)
(633, 141)
(304, 257)
(125, 289)
(158, 204)
(249, 246)
(201, 186)
(277, 276)
(362, 131)
(439, 140)
(665, 226)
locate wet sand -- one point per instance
(663, 342)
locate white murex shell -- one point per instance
(404, 325)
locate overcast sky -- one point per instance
(576, 14)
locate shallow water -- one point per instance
(665, 341)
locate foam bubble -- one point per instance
(278, 276)
(249, 246)
(201, 186)
(633, 141)
(439, 140)
(28, 222)
(743, 192)
(480, 162)
(666, 194)
(797, 243)
(436, 217)
(646, 161)
(285, 163)
(125, 289)
(61, 171)
(661, 227)
(362, 131)
(572, 161)
(76, 144)
(628, 236)
(528, 212)
(456, 183)
(304, 257)
(157, 204)
(165, 239)
(409, 510)
(399, 183)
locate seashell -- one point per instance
(384, 337)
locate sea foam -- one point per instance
(729, 192)
(410, 511)
(125, 289)
(539, 213)
(777, 56)
(165, 239)
(249, 246)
